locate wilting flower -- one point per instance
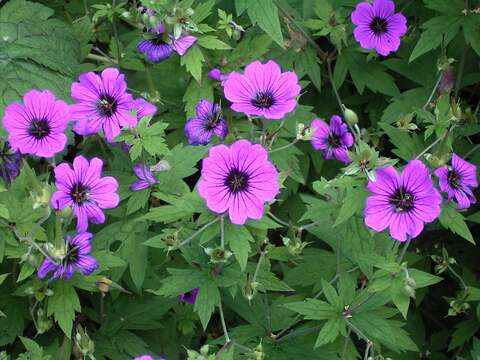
(144, 108)
(238, 179)
(458, 180)
(378, 26)
(146, 178)
(38, 126)
(102, 103)
(216, 74)
(447, 81)
(199, 130)
(189, 297)
(334, 140)
(403, 203)
(10, 162)
(84, 190)
(76, 257)
(263, 90)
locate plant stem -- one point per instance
(404, 251)
(150, 82)
(298, 333)
(443, 137)
(257, 269)
(472, 150)
(224, 325)
(280, 221)
(461, 68)
(285, 146)
(459, 278)
(222, 232)
(187, 240)
(115, 34)
(85, 5)
(100, 58)
(432, 94)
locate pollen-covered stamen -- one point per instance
(263, 100)
(454, 179)
(403, 200)
(236, 181)
(79, 193)
(39, 128)
(379, 25)
(107, 105)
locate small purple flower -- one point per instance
(334, 140)
(156, 47)
(144, 108)
(183, 43)
(238, 179)
(263, 90)
(103, 103)
(458, 180)
(189, 297)
(378, 26)
(84, 190)
(143, 357)
(216, 74)
(10, 162)
(38, 126)
(76, 257)
(209, 121)
(448, 80)
(146, 178)
(402, 203)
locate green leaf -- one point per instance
(471, 32)
(208, 297)
(308, 61)
(137, 200)
(265, 14)
(331, 295)
(464, 331)
(423, 279)
(313, 309)
(354, 202)
(135, 254)
(212, 42)
(407, 146)
(3, 277)
(62, 305)
(193, 60)
(4, 212)
(195, 92)
(329, 331)
(238, 238)
(202, 11)
(451, 219)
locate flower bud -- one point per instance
(65, 213)
(83, 342)
(350, 116)
(218, 255)
(304, 133)
(41, 199)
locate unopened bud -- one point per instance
(65, 213)
(218, 255)
(41, 199)
(350, 116)
(103, 285)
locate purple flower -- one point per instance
(458, 180)
(10, 162)
(448, 80)
(238, 179)
(76, 257)
(334, 140)
(199, 130)
(146, 178)
(38, 126)
(143, 357)
(189, 297)
(183, 43)
(403, 202)
(216, 74)
(144, 108)
(102, 103)
(84, 190)
(378, 26)
(157, 47)
(263, 90)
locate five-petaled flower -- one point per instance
(262, 90)
(402, 203)
(76, 257)
(378, 26)
(238, 179)
(37, 127)
(334, 140)
(145, 176)
(457, 181)
(200, 129)
(103, 103)
(84, 190)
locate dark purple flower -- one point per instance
(84, 190)
(146, 178)
(458, 180)
(102, 104)
(10, 162)
(189, 297)
(144, 108)
(209, 121)
(157, 46)
(334, 140)
(238, 179)
(38, 126)
(378, 26)
(263, 90)
(76, 257)
(403, 203)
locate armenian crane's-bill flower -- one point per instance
(37, 126)
(334, 140)
(402, 202)
(10, 162)
(458, 180)
(103, 103)
(378, 26)
(146, 177)
(189, 297)
(76, 257)
(208, 121)
(84, 190)
(238, 179)
(143, 108)
(262, 90)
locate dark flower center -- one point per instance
(263, 100)
(454, 179)
(79, 193)
(403, 200)
(212, 120)
(39, 128)
(379, 25)
(334, 140)
(158, 40)
(107, 105)
(72, 255)
(236, 181)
